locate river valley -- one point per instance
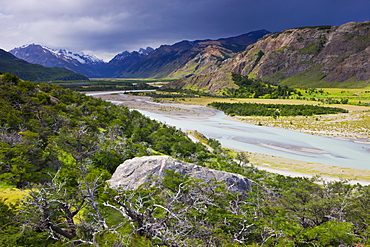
(248, 137)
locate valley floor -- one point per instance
(353, 126)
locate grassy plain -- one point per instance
(359, 96)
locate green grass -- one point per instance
(315, 78)
(282, 49)
(311, 79)
(313, 48)
(358, 96)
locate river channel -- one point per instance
(267, 140)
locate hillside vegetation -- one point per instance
(62, 146)
(43, 126)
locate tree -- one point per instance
(242, 157)
(66, 213)
(7, 77)
(183, 211)
(316, 212)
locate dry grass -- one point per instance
(322, 170)
(353, 125)
(206, 100)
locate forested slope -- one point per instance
(63, 146)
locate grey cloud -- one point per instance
(111, 26)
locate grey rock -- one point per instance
(137, 171)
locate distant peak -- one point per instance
(142, 52)
(146, 51)
(80, 57)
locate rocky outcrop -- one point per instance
(323, 56)
(137, 171)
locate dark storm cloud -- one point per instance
(107, 27)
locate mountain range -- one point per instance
(190, 57)
(174, 61)
(319, 56)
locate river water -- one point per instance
(269, 140)
(272, 141)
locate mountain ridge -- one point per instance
(321, 56)
(173, 60)
(165, 61)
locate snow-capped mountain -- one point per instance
(35, 72)
(81, 63)
(125, 60)
(88, 65)
(126, 54)
(81, 57)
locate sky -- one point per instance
(105, 28)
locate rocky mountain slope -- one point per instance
(137, 171)
(88, 65)
(324, 56)
(34, 72)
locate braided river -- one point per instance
(274, 141)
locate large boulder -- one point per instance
(137, 171)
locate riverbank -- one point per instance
(352, 126)
(159, 107)
(274, 164)
(297, 168)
